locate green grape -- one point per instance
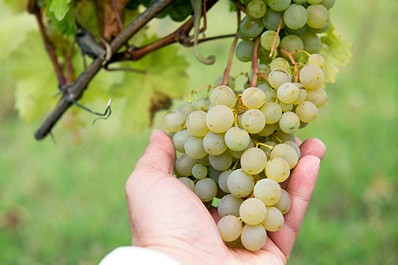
(274, 220)
(186, 108)
(268, 130)
(267, 39)
(230, 228)
(318, 16)
(317, 96)
(289, 122)
(287, 153)
(300, 2)
(328, 3)
(199, 171)
(194, 147)
(256, 8)
(238, 154)
(187, 182)
(320, 30)
(213, 173)
(221, 162)
(302, 95)
(222, 180)
(268, 191)
(201, 104)
(219, 118)
(253, 121)
(286, 107)
(295, 147)
(280, 63)
(284, 202)
(316, 59)
(253, 98)
(295, 16)
(278, 77)
(229, 205)
(277, 169)
(237, 139)
(196, 123)
(311, 76)
(270, 93)
(223, 95)
(253, 237)
(174, 121)
(279, 5)
(179, 11)
(292, 43)
(252, 211)
(239, 183)
(253, 161)
(179, 139)
(313, 2)
(206, 189)
(250, 28)
(271, 20)
(312, 42)
(307, 111)
(184, 165)
(214, 143)
(272, 112)
(287, 93)
(244, 50)
(282, 136)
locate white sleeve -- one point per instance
(136, 255)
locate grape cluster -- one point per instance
(238, 144)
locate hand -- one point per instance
(167, 216)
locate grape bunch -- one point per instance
(237, 144)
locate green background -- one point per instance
(65, 204)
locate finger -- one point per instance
(313, 146)
(300, 189)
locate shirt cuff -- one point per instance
(138, 256)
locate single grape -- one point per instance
(311, 76)
(213, 173)
(223, 95)
(268, 130)
(256, 8)
(281, 63)
(253, 121)
(294, 145)
(184, 165)
(272, 112)
(199, 171)
(186, 108)
(187, 182)
(230, 228)
(221, 162)
(196, 123)
(287, 93)
(287, 153)
(229, 205)
(237, 139)
(253, 98)
(284, 202)
(244, 50)
(252, 211)
(318, 16)
(253, 237)
(240, 184)
(312, 42)
(286, 107)
(222, 180)
(278, 77)
(194, 147)
(328, 3)
(317, 96)
(179, 139)
(206, 189)
(316, 59)
(292, 43)
(267, 39)
(270, 93)
(253, 160)
(268, 191)
(302, 95)
(277, 169)
(214, 143)
(279, 5)
(295, 16)
(219, 118)
(174, 121)
(274, 220)
(307, 111)
(289, 122)
(250, 28)
(271, 20)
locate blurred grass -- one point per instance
(65, 204)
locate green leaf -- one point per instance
(337, 53)
(60, 8)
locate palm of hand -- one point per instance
(166, 216)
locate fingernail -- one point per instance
(317, 159)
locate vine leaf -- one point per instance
(337, 53)
(60, 8)
(110, 22)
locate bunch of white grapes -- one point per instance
(239, 146)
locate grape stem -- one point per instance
(275, 39)
(255, 62)
(270, 147)
(290, 56)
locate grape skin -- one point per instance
(230, 228)
(253, 237)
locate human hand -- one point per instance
(167, 216)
